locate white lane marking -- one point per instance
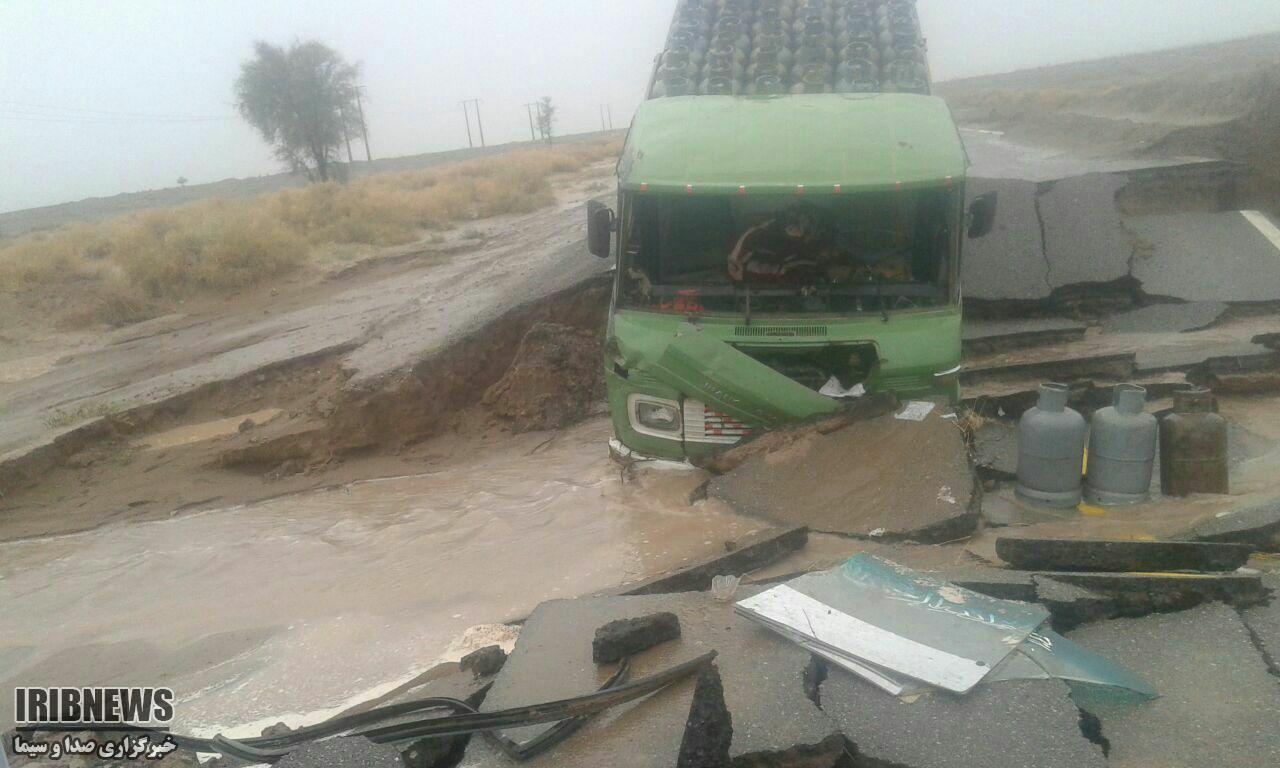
(1264, 225)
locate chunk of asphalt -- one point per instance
(1120, 556)
(1142, 593)
(865, 480)
(1257, 526)
(767, 441)
(346, 752)
(774, 722)
(749, 553)
(993, 582)
(447, 680)
(1012, 724)
(1217, 704)
(485, 662)
(1163, 318)
(625, 637)
(1071, 605)
(1070, 368)
(995, 449)
(1211, 355)
(708, 732)
(985, 336)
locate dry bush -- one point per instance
(125, 269)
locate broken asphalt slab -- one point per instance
(1258, 526)
(1207, 257)
(1060, 367)
(748, 554)
(1009, 263)
(984, 336)
(1211, 355)
(995, 449)
(467, 680)
(1161, 318)
(1141, 593)
(993, 582)
(1120, 556)
(1217, 703)
(346, 752)
(763, 678)
(1085, 240)
(1013, 724)
(1072, 605)
(864, 480)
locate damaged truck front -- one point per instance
(776, 255)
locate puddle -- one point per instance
(298, 607)
(209, 430)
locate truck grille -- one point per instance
(780, 331)
(703, 425)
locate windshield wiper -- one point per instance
(884, 310)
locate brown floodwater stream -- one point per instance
(293, 609)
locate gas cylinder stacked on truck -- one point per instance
(767, 47)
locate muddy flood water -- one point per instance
(293, 609)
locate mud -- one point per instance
(555, 380)
(294, 609)
(310, 428)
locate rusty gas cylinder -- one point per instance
(1193, 446)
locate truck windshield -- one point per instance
(789, 254)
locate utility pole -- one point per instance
(466, 114)
(529, 108)
(479, 123)
(609, 108)
(364, 129)
(346, 135)
(603, 127)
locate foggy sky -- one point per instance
(99, 97)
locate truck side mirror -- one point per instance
(599, 229)
(982, 215)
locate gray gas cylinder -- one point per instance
(1051, 450)
(1122, 450)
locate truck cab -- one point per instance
(778, 255)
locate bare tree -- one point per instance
(182, 181)
(546, 117)
(302, 100)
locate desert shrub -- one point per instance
(126, 268)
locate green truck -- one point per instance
(776, 255)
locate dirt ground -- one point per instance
(1217, 101)
(354, 367)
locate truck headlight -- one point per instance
(652, 414)
(658, 416)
